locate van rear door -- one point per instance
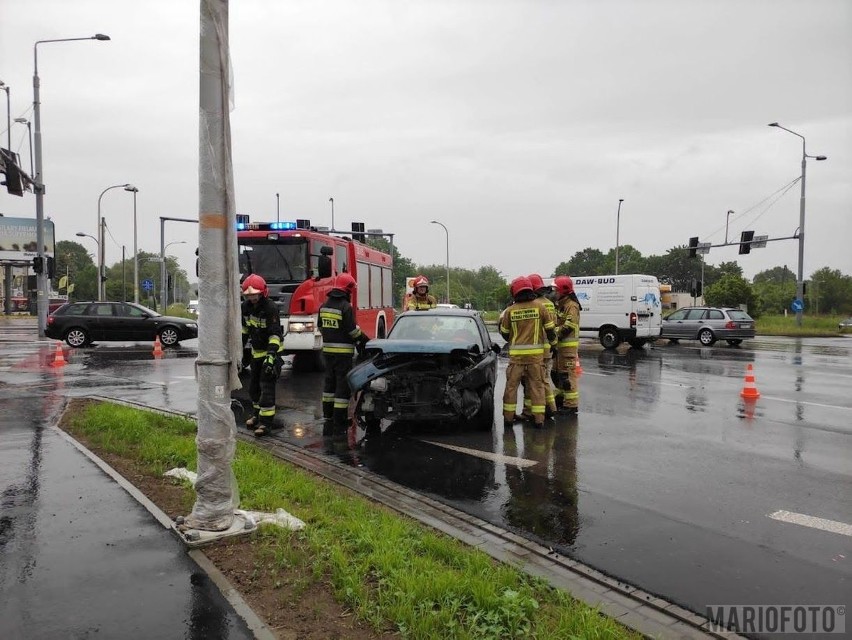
(648, 307)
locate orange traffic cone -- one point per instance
(577, 368)
(749, 389)
(749, 405)
(158, 348)
(58, 357)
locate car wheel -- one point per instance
(735, 342)
(637, 343)
(76, 337)
(484, 418)
(609, 338)
(706, 337)
(168, 336)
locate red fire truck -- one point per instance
(299, 266)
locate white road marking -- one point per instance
(822, 524)
(487, 455)
(812, 404)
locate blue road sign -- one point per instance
(797, 305)
(148, 284)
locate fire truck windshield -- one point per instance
(278, 261)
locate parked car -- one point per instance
(81, 323)
(707, 325)
(845, 324)
(434, 365)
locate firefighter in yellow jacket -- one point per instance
(421, 299)
(568, 309)
(541, 292)
(521, 324)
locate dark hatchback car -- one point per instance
(435, 366)
(707, 325)
(81, 323)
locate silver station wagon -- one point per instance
(707, 325)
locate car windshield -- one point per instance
(737, 314)
(278, 261)
(422, 326)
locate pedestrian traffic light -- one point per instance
(693, 246)
(38, 264)
(745, 241)
(358, 231)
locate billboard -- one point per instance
(18, 239)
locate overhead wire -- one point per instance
(777, 195)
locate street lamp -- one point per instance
(38, 179)
(30, 130)
(331, 200)
(800, 282)
(727, 220)
(101, 247)
(277, 208)
(448, 257)
(164, 293)
(134, 191)
(617, 227)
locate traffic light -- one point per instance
(358, 231)
(693, 246)
(14, 181)
(38, 264)
(745, 241)
(693, 290)
(302, 223)
(51, 267)
(699, 288)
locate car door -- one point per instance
(138, 324)
(693, 322)
(673, 324)
(100, 320)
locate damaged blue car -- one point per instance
(435, 366)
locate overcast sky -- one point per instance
(518, 124)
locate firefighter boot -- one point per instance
(340, 420)
(253, 422)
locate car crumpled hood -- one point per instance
(363, 373)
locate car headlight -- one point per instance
(379, 384)
(191, 325)
(302, 327)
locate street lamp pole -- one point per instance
(38, 180)
(448, 258)
(101, 247)
(164, 293)
(331, 200)
(800, 281)
(727, 220)
(134, 190)
(617, 228)
(277, 208)
(5, 88)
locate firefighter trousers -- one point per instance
(262, 393)
(531, 371)
(335, 391)
(566, 377)
(549, 388)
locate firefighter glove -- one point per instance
(271, 366)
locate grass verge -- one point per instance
(391, 572)
(812, 326)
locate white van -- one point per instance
(192, 307)
(618, 309)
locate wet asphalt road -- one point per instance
(79, 557)
(665, 480)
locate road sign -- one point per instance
(759, 242)
(148, 284)
(703, 248)
(797, 305)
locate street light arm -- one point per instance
(778, 126)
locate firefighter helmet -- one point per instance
(521, 283)
(346, 283)
(421, 281)
(538, 283)
(564, 285)
(254, 284)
